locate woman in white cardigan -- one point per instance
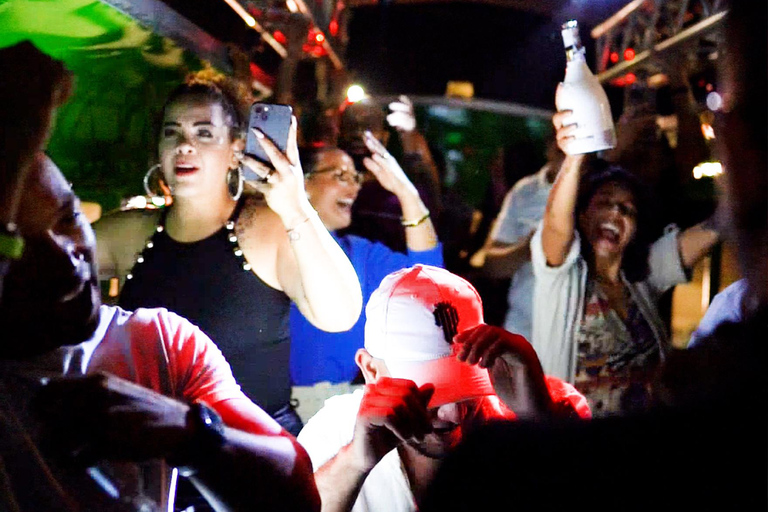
(598, 280)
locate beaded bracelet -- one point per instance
(414, 223)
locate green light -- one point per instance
(104, 138)
(454, 138)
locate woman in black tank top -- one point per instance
(231, 264)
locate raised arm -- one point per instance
(506, 249)
(515, 370)
(517, 375)
(311, 268)
(391, 412)
(502, 259)
(420, 234)
(559, 223)
(697, 241)
(403, 119)
(339, 481)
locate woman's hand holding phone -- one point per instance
(283, 183)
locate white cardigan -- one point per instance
(558, 299)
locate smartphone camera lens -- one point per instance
(258, 109)
(265, 116)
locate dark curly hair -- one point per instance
(598, 173)
(308, 156)
(233, 96)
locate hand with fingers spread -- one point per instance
(392, 412)
(515, 370)
(386, 169)
(283, 184)
(420, 234)
(402, 117)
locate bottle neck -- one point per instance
(575, 53)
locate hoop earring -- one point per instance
(162, 189)
(235, 189)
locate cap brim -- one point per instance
(454, 381)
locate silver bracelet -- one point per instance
(294, 235)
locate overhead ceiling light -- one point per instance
(714, 101)
(707, 169)
(355, 93)
(249, 20)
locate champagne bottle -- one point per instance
(581, 92)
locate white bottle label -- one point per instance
(582, 93)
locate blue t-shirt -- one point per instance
(318, 356)
(728, 306)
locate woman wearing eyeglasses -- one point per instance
(332, 185)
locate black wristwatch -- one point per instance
(206, 440)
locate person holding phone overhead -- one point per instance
(231, 262)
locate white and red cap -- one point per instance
(411, 320)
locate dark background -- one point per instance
(416, 49)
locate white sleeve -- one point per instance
(504, 227)
(665, 263)
(555, 302)
(331, 429)
(540, 267)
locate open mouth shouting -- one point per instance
(345, 205)
(610, 232)
(183, 168)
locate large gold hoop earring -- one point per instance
(154, 184)
(235, 182)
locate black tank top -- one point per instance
(210, 283)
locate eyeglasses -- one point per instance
(343, 175)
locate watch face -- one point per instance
(206, 418)
(207, 438)
(210, 421)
